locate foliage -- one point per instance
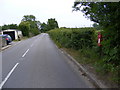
(38, 24)
(0, 27)
(107, 15)
(29, 18)
(73, 38)
(44, 27)
(25, 28)
(103, 14)
(84, 40)
(33, 25)
(34, 31)
(97, 26)
(9, 26)
(51, 24)
(100, 12)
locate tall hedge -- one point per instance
(85, 40)
(75, 38)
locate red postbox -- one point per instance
(99, 39)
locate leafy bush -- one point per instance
(34, 31)
(75, 38)
(25, 28)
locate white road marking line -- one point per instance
(7, 77)
(25, 53)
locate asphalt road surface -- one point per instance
(37, 63)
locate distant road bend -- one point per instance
(37, 63)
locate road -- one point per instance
(37, 63)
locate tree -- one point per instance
(97, 26)
(0, 28)
(4, 27)
(13, 26)
(34, 25)
(52, 24)
(38, 23)
(107, 15)
(44, 27)
(29, 18)
(104, 13)
(25, 28)
(9, 26)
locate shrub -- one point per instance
(75, 38)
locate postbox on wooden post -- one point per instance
(99, 39)
(99, 43)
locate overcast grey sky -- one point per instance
(12, 11)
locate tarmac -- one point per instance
(92, 78)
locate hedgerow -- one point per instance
(75, 38)
(84, 40)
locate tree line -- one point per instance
(9, 26)
(30, 26)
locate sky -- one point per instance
(12, 12)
